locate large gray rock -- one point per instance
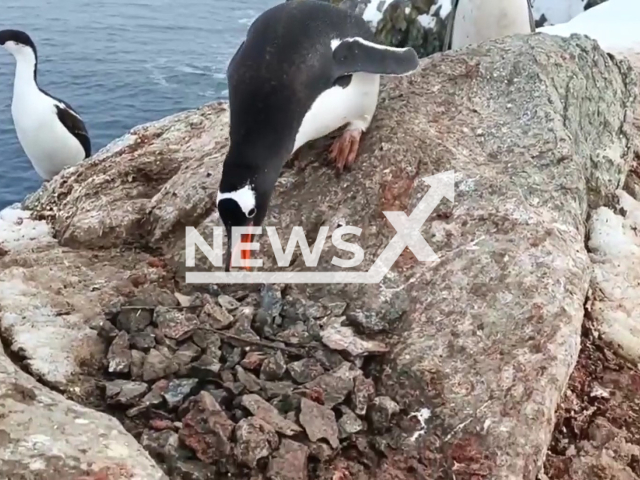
(487, 336)
(43, 436)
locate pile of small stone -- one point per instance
(257, 386)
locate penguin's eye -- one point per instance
(251, 213)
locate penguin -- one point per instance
(305, 69)
(52, 134)
(475, 21)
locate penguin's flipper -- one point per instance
(532, 20)
(356, 54)
(446, 44)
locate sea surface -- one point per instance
(119, 63)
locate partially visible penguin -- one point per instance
(475, 21)
(305, 69)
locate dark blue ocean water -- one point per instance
(120, 63)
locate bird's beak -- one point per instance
(245, 255)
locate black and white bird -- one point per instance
(475, 21)
(50, 131)
(305, 69)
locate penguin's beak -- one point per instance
(245, 255)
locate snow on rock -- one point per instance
(374, 11)
(615, 252)
(552, 12)
(19, 232)
(615, 25)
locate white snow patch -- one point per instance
(614, 247)
(422, 415)
(427, 21)
(375, 9)
(557, 11)
(445, 8)
(615, 25)
(19, 232)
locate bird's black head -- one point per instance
(13, 40)
(238, 208)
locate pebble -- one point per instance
(290, 462)
(107, 331)
(219, 394)
(287, 403)
(233, 357)
(319, 422)
(162, 446)
(124, 392)
(186, 353)
(216, 317)
(161, 424)
(178, 390)
(255, 439)
(335, 385)
(328, 359)
(205, 368)
(273, 368)
(253, 360)
(263, 410)
(296, 335)
(276, 389)
(119, 355)
(206, 429)
(368, 321)
(248, 380)
(175, 324)
(335, 306)
(380, 413)
(137, 364)
(339, 338)
(305, 370)
(143, 341)
(242, 328)
(208, 341)
(157, 365)
(271, 301)
(349, 423)
(364, 391)
(133, 320)
(228, 303)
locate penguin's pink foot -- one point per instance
(345, 149)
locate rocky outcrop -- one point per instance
(482, 340)
(47, 437)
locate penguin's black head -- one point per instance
(237, 209)
(17, 41)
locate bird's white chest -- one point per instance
(477, 21)
(48, 144)
(338, 106)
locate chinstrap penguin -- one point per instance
(305, 69)
(50, 131)
(475, 21)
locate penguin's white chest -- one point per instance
(477, 21)
(353, 105)
(48, 144)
